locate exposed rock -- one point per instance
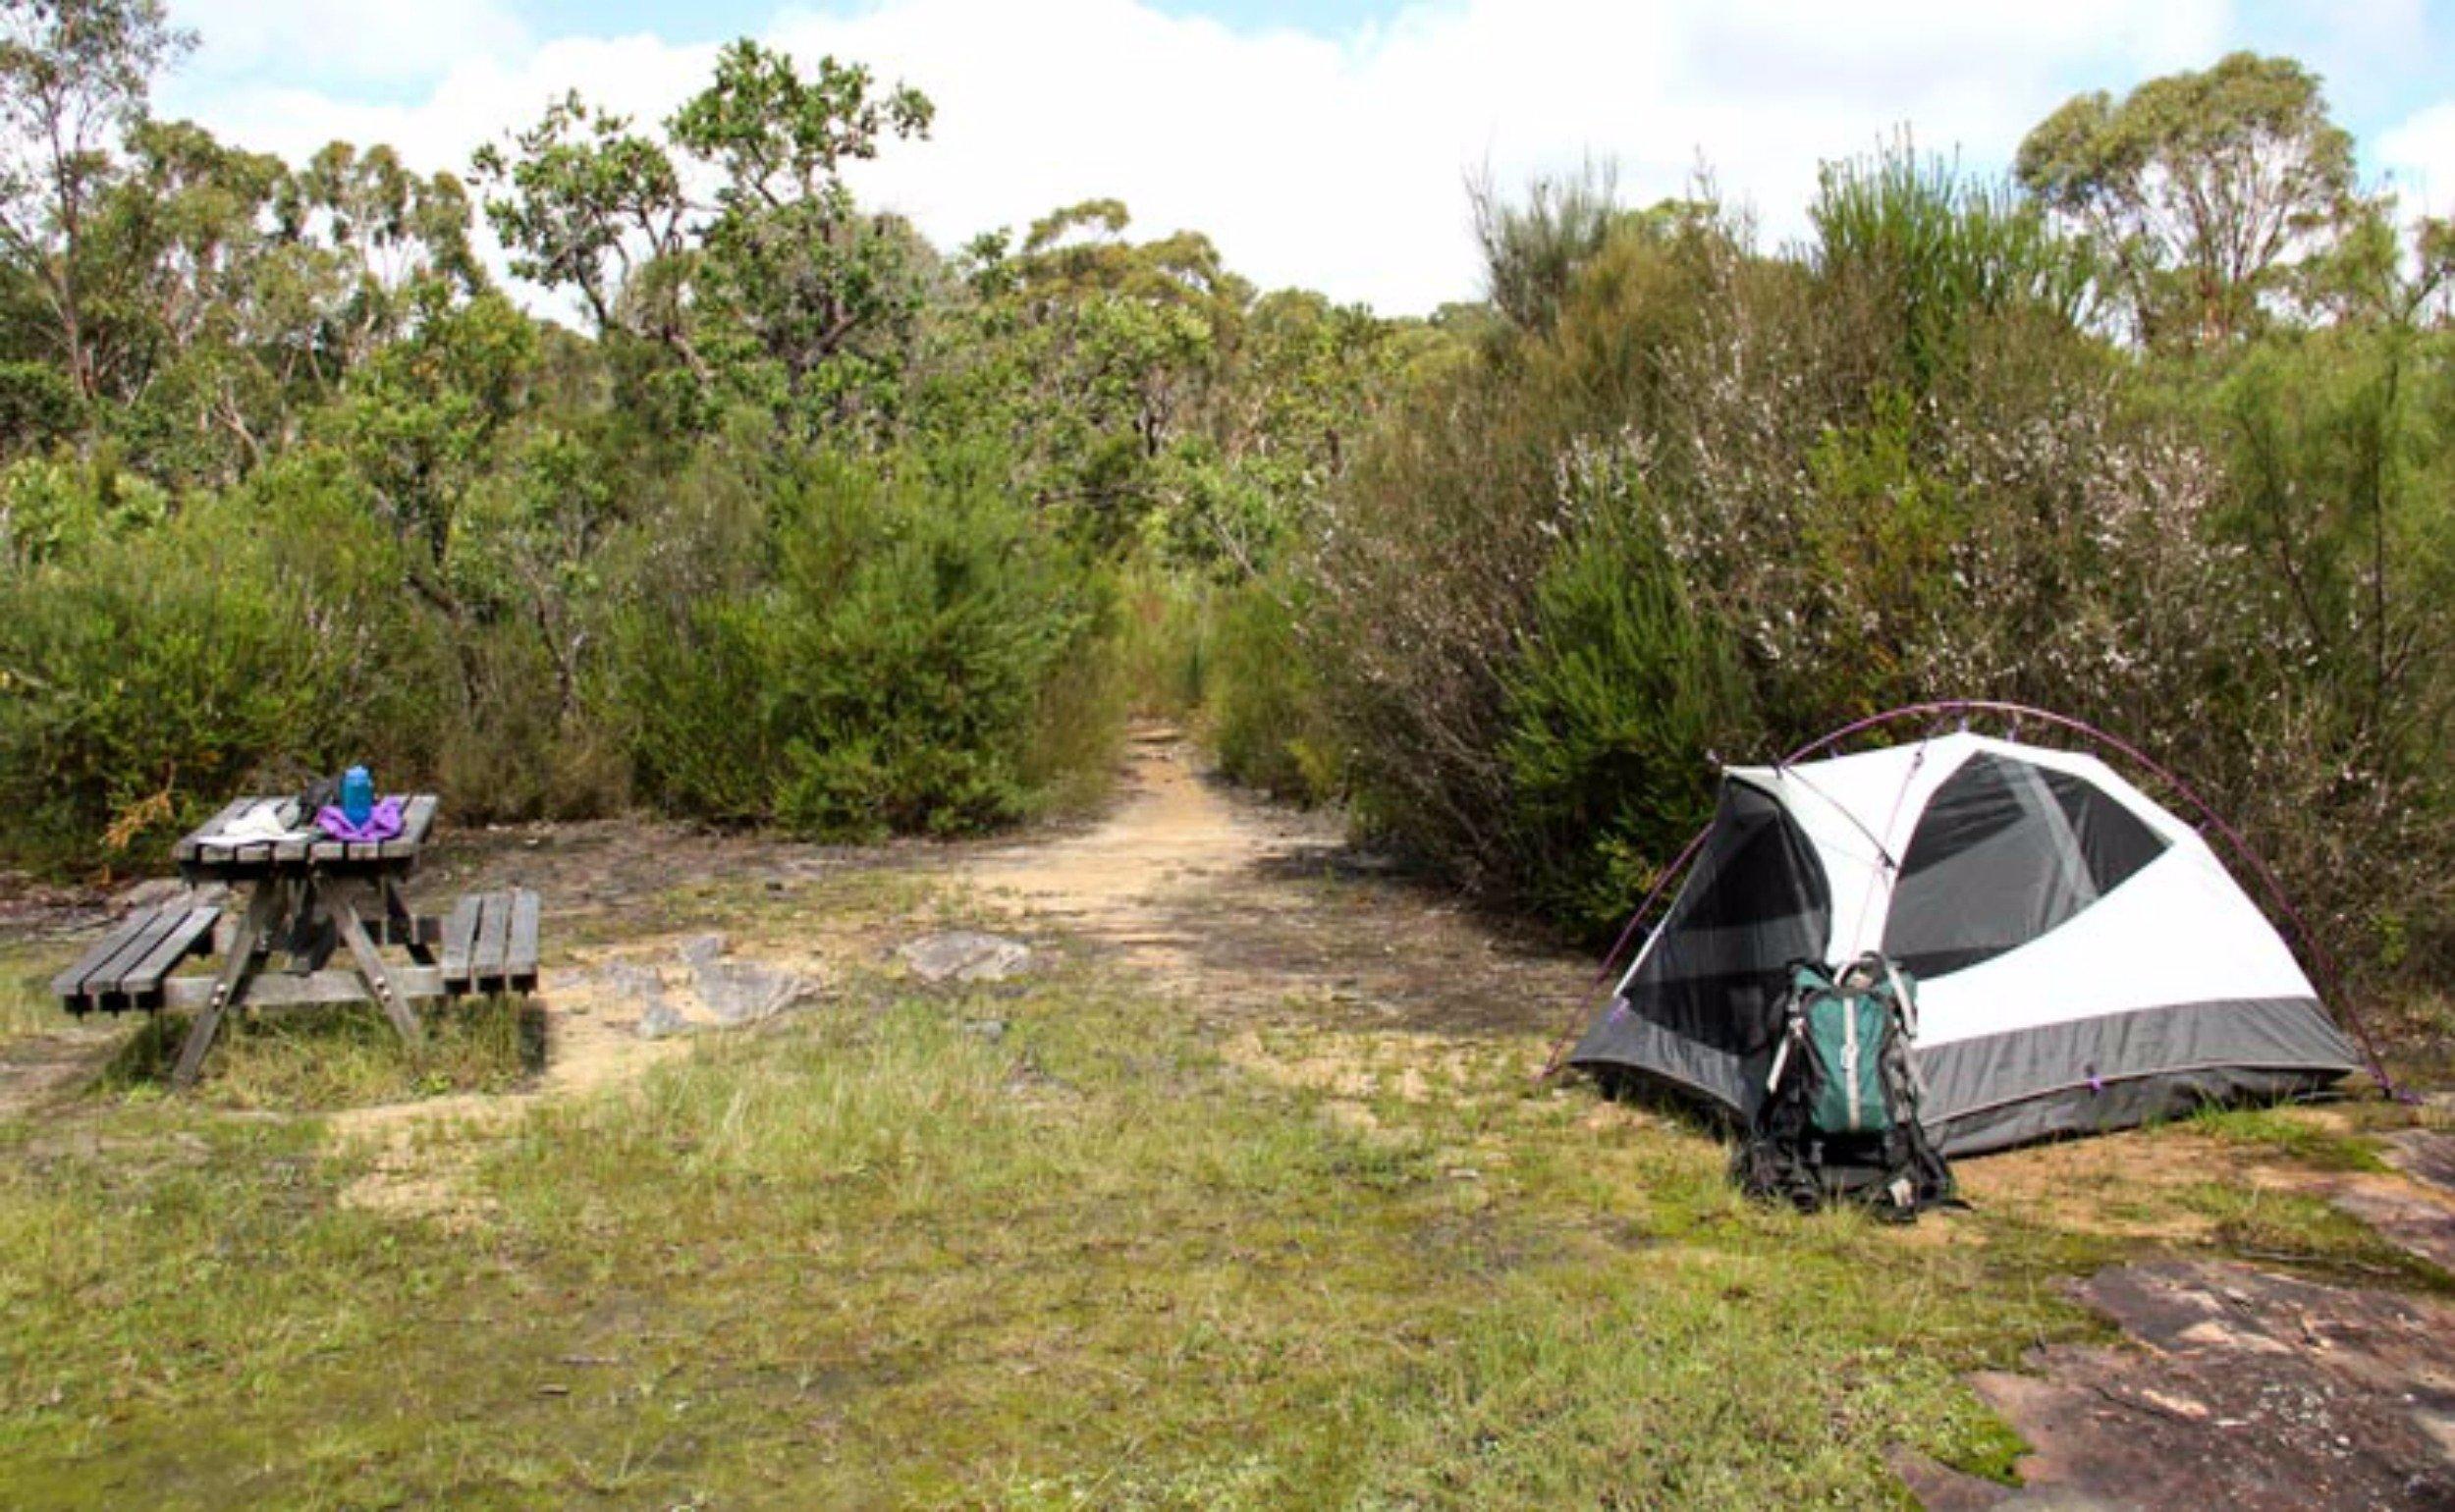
(659, 1019)
(725, 992)
(1940, 1488)
(644, 987)
(2254, 1390)
(629, 979)
(991, 1029)
(2424, 1155)
(966, 956)
(746, 992)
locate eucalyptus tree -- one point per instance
(75, 74)
(586, 205)
(2211, 197)
(775, 286)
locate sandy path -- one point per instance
(1150, 878)
(1169, 843)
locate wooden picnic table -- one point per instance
(306, 896)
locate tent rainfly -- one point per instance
(2083, 959)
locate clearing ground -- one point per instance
(1237, 1191)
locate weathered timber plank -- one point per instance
(494, 934)
(186, 850)
(416, 818)
(213, 852)
(136, 945)
(381, 985)
(520, 959)
(280, 989)
(70, 984)
(143, 978)
(460, 937)
(225, 984)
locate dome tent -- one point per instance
(2083, 959)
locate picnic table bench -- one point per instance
(306, 897)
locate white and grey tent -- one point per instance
(2083, 959)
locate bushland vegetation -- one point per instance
(785, 515)
(781, 515)
(2074, 440)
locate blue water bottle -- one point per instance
(357, 796)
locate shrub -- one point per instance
(1718, 501)
(1618, 704)
(2340, 458)
(1166, 622)
(150, 677)
(1263, 714)
(876, 661)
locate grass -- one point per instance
(764, 909)
(2297, 1134)
(1038, 1246)
(26, 1006)
(2310, 1233)
(338, 1057)
(893, 1256)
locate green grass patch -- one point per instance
(328, 1058)
(2288, 1132)
(1017, 1248)
(756, 908)
(26, 1006)
(2310, 1233)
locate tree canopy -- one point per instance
(2209, 194)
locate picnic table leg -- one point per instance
(396, 908)
(376, 975)
(227, 986)
(310, 939)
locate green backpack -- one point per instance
(1839, 1115)
(1846, 1032)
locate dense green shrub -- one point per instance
(151, 676)
(2339, 453)
(1713, 501)
(1933, 256)
(1263, 712)
(877, 663)
(1618, 705)
(839, 647)
(1166, 622)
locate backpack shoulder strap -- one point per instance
(1807, 979)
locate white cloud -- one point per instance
(1333, 163)
(362, 41)
(2418, 157)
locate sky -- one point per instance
(1323, 144)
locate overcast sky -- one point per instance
(1320, 145)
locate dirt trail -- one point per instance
(1150, 878)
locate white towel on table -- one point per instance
(259, 823)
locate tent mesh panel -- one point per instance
(1756, 903)
(2005, 853)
